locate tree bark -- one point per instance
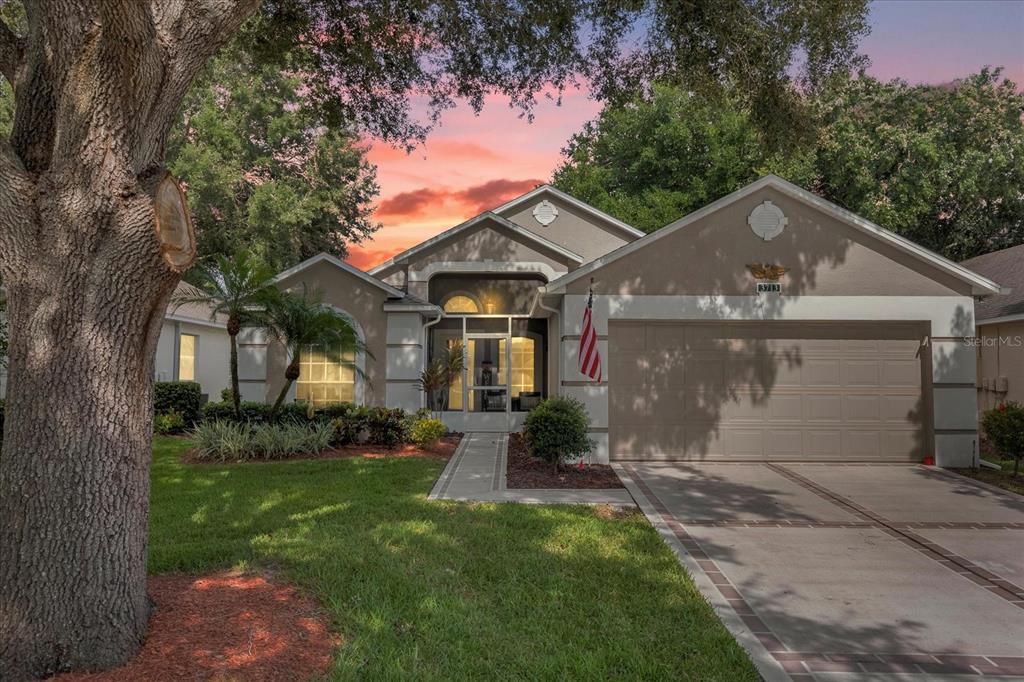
(236, 399)
(94, 235)
(291, 373)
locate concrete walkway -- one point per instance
(476, 472)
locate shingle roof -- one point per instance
(194, 311)
(1006, 268)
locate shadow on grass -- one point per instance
(443, 589)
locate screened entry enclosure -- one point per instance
(504, 370)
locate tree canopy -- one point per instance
(263, 171)
(940, 164)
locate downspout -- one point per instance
(426, 345)
(538, 303)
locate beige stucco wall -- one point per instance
(509, 296)
(488, 241)
(825, 256)
(213, 355)
(585, 235)
(360, 299)
(1000, 352)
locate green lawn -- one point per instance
(445, 590)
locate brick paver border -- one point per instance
(801, 665)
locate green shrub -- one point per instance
(1004, 428)
(556, 430)
(183, 397)
(169, 422)
(224, 441)
(252, 412)
(426, 432)
(387, 427)
(294, 412)
(352, 427)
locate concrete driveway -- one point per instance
(849, 572)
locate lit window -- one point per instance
(323, 381)
(522, 364)
(187, 357)
(461, 304)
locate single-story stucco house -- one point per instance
(1000, 328)
(770, 324)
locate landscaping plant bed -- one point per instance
(227, 626)
(442, 450)
(525, 471)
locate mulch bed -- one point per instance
(443, 450)
(525, 471)
(227, 626)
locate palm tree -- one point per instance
(299, 321)
(240, 287)
(437, 377)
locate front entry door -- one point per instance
(486, 384)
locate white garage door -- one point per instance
(767, 391)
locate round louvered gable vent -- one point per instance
(545, 213)
(767, 221)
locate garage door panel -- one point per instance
(822, 372)
(823, 407)
(761, 391)
(861, 408)
(865, 444)
(629, 336)
(822, 444)
(901, 373)
(861, 372)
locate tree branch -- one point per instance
(12, 49)
(17, 193)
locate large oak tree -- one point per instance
(94, 232)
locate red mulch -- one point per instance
(227, 626)
(442, 450)
(525, 471)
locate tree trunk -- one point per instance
(291, 373)
(94, 235)
(74, 475)
(236, 399)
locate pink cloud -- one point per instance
(467, 201)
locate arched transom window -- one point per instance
(461, 304)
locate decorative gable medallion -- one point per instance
(767, 221)
(545, 213)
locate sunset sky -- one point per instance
(472, 163)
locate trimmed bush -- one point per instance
(351, 427)
(171, 422)
(183, 397)
(556, 430)
(1004, 428)
(387, 427)
(252, 412)
(426, 432)
(224, 441)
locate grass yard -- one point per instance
(445, 590)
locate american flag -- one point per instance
(589, 358)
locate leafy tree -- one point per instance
(87, 205)
(299, 321)
(240, 287)
(657, 158)
(263, 170)
(942, 165)
(1004, 428)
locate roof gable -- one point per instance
(469, 227)
(342, 265)
(899, 245)
(549, 191)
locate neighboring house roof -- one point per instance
(575, 203)
(195, 313)
(979, 285)
(469, 224)
(1007, 268)
(338, 263)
